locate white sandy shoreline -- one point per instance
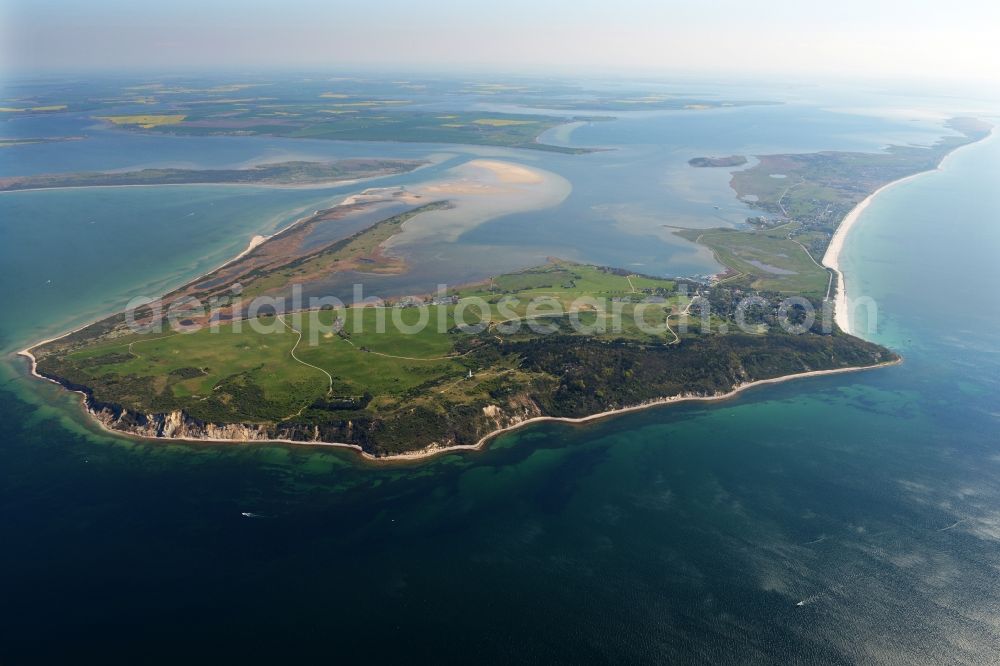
(831, 258)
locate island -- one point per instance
(279, 173)
(400, 393)
(407, 376)
(730, 161)
(360, 109)
(27, 141)
(357, 120)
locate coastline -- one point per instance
(421, 454)
(433, 451)
(255, 240)
(559, 135)
(319, 185)
(831, 258)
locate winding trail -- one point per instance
(329, 377)
(782, 197)
(829, 282)
(162, 337)
(666, 321)
(407, 358)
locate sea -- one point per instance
(848, 519)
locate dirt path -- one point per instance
(329, 377)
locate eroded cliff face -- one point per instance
(519, 409)
(177, 425)
(410, 433)
(463, 432)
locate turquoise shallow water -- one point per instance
(848, 519)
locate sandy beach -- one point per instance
(831, 259)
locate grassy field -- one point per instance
(395, 377)
(347, 117)
(381, 123)
(816, 190)
(767, 260)
(192, 368)
(246, 370)
(566, 281)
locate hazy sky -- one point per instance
(914, 38)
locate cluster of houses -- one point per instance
(415, 302)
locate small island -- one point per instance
(730, 161)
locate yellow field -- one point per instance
(145, 121)
(502, 122)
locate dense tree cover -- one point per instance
(594, 376)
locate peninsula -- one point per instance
(803, 199)
(730, 161)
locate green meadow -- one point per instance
(246, 370)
